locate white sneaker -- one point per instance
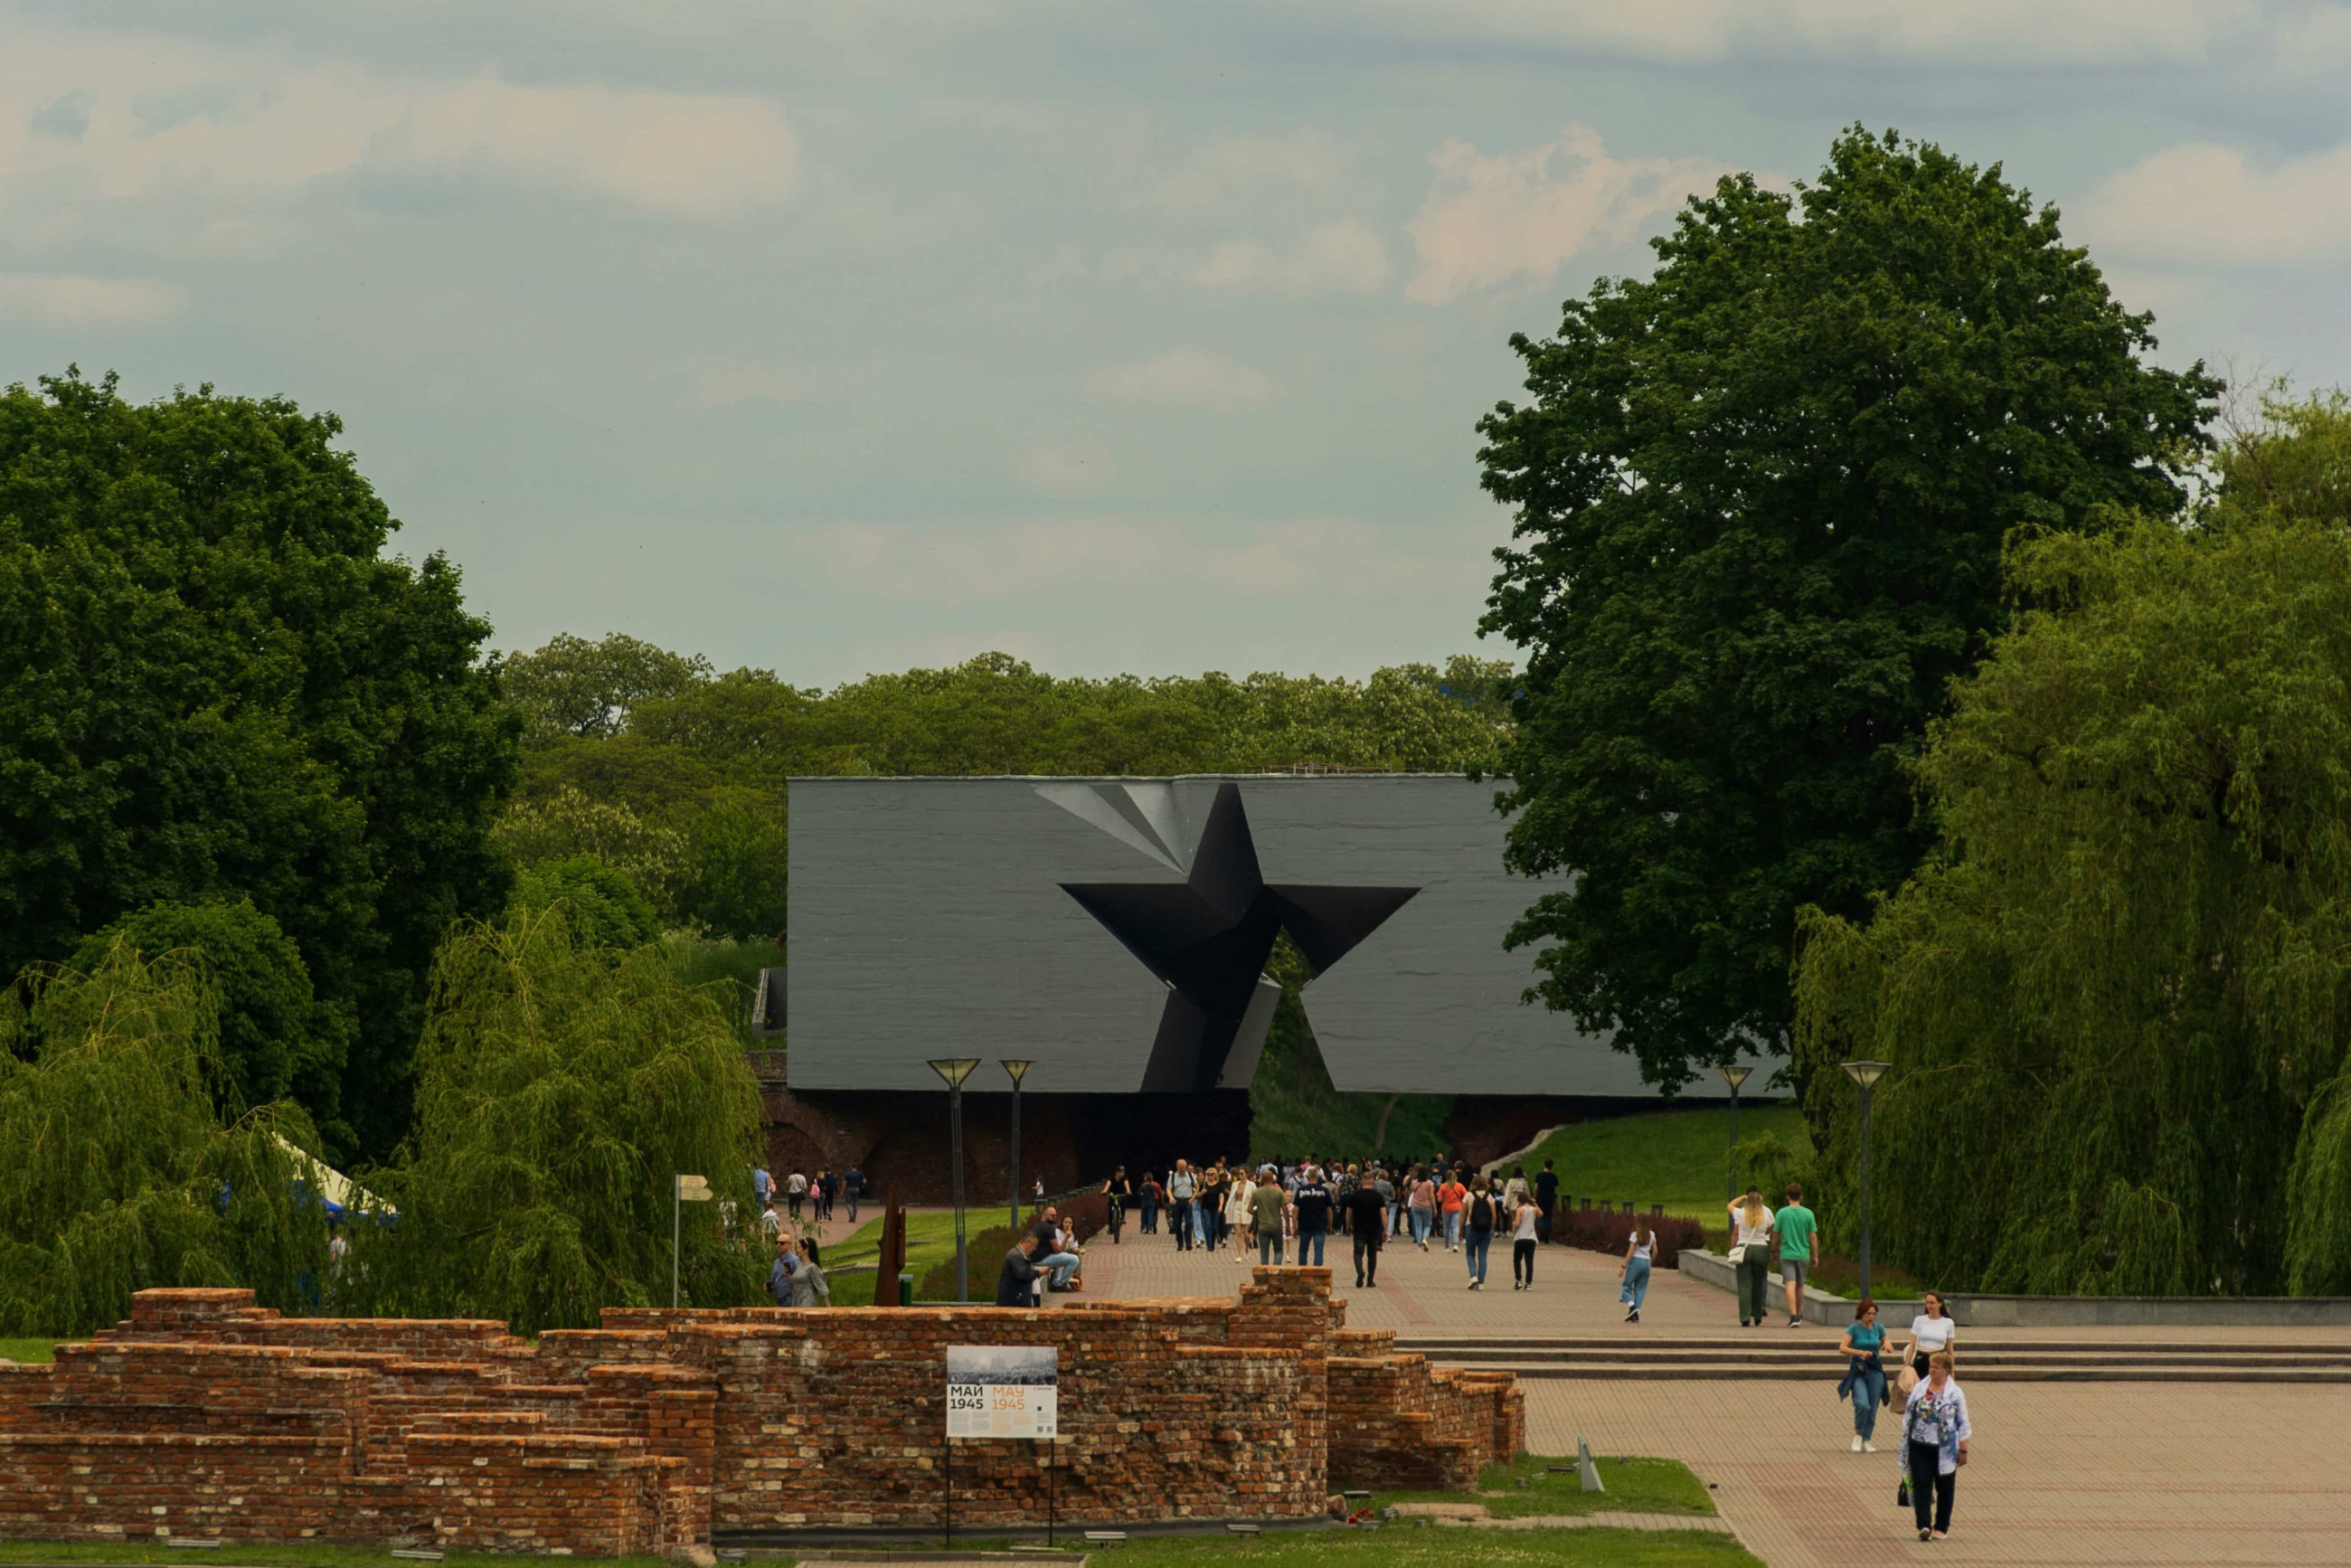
(1869, 1448)
(1857, 1445)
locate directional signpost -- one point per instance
(1003, 1391)
(689, 1189)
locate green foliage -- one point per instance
(1295, 1109)
(568, 827)
(604, 908)
(1760, 499)
(560, 1087)
(573, 688)
(2114, 995)
(276, 1041)
(1552, 1486)
(215, 684)
(726, 971)
(119, 1174)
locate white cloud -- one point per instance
(64, 300)
(2000, 32)
(1224, 170)
(1490, 220)
(1065, 467)
(1341, 258)
(269, 130)
(2204, 203)
(1335, 557)
(1193, 377)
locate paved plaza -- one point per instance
(2062, 1472)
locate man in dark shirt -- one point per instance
(1546, 1195)
(1312, 1201)
(852, 1186)
(1015, 1283)
(1367, 1217)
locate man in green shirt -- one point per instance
(1799, 1249)
(1267, 1203)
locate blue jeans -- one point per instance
(1453, 1228)
(1636, 1283)
(1150, 1217)
(1421, 1218)
(1473, 1247)
(1868, 1391)
(1058, 1266)
(1309, 1241)
(1268, 1247)
(1200, 1223)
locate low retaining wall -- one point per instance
(203, 1415)
(1972, 1309)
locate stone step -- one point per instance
(1814, 1356)
(1759, 1339)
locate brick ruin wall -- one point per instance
(204, 1416)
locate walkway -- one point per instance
(2077, 1474)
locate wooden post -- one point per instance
(893, 1258)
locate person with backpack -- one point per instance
(1634, 1271)
(1478, 1215)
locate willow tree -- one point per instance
(560, 1087)
(2116, 994)
(119, 1174)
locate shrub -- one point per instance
(1597, 1230)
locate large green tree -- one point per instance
(2115, 995)
(1760, 497)
(215, 684)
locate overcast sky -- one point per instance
(838, 337)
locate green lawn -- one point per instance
(1408, 1546)
(28, 1349)
(1679, 1158)
(1634, 1485)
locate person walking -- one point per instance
(1477, 1215)
(1799, 1249)
(1515, 1190)
(1865, 1372)
(1181, 1186)
(1367, 1223)
(1450, 1197)
(1312, 1205)
(794, 1193)
(1751, 1252)
(1930, 1331)
(1267, 1205)
(1526, 1219)
(1935, 1435)
(1423, 1207)
(1634, 1271)
(852, 1186)
(1153, 1195)
(1546, 1199)
(1236, 1213)
(779, 1277)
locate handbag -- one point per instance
(1735, 1256)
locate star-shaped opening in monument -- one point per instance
(1208, 937)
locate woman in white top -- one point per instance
(1634, 1271)
(1522, 1244)
(1751, 1244)
(1930, 1331)
(1237, 1212)
(1934, 1433)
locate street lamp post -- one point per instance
(1734, 1076)
(953, 1070)
(1019, 1070)
(1866, 1074)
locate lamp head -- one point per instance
(1016, 1066)
(1734, 1076)
(954, 1069)
(1868, 1073)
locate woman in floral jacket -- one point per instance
(1936, 1430)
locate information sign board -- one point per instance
(1003, 1391)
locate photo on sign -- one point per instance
(1003, 1363)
